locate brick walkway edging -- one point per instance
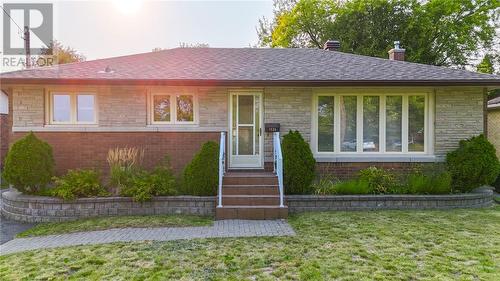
(27, 208)
(220, 229)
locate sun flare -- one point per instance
(128, 7)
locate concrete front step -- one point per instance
(250, 190)
(251, 212)
(253, 180)
(251, 200)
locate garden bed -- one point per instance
(29, 208)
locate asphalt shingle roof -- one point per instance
(250, 64)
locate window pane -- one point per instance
(394, 113)
(416, 122)
(371, 112)
(348, 113)
(62, 108)
(257, 125)
(245, 140)
(185, 111)
(325, 124)
(161, 104)
(245, 109)
(85, 108)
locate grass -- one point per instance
(115, 222)
(383, 245)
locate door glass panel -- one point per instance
(235, 124)
(245, 140)
(348, 113)
(371, 114)
(245, 110)
(257, 125)
(416, 121)
(394, 118)
(325, 123)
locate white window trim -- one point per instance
(73, 108)
(428, 122)
(173, 108)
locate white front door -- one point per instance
(245, 140)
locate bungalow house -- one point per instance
(355, 111)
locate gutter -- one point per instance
(495, 83)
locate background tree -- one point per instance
(486, 65)
(62, 54)
(438, 32)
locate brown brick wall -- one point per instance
(4, 137)
(348, 170)
(89, 150)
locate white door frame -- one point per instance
(250, 161)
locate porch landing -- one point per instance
(250, 194)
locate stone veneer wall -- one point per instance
(459, 115)
(27, 208)
(494, 128)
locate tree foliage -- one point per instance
(62, 54)
(438, 32)
(486, 65)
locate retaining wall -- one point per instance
(28, 208)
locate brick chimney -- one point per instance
(332, 45)
(397, 53)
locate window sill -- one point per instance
(415, 158)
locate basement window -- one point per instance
(72, 108)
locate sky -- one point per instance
(100, 29)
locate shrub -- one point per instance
(78, 183)
(201, 175)
(324, 186)
(379, 180)
(496, 184)
(29, 164)
(298, 164)
(473, 163)
(419, 183)
(352, 187)
(123, 163)
(142, 185)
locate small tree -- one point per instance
(298, 164)
(200, 177)
(29, 164)
(473, 163)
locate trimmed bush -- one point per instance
(201, 175)
(78, 184)
(143, 185)
(496, 184)
(474, 163)
(29, 164)
(298, 164)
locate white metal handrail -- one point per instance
(278, 163)
(222, 164)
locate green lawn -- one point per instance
(115, 222)
(383, 245)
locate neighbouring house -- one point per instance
(494, 123)
(4, 127)
(355, 111)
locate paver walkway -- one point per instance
(220, 229)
